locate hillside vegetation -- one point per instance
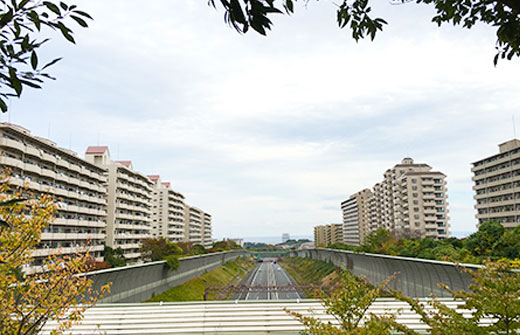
(311, 272)
(193, 290)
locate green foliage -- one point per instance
(114, 257)
(494, 297)
(156, 249)
(494, 294)
(490, 241)
(172, 261)
(224, 246)
(349, 304)
(356, 16)
(21, 23)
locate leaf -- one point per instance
(52, 7)
(64, 6)
(34, 60)
(14, 81)
(80, 21)
(33, 16)
(4, 224)
(83, 14)
(3, 106)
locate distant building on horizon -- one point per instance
(285, 237)
(410, 202)
(497, 186)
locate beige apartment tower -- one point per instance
(167, 211)
(77, 185)
(410, 201)
(414, 201)
(356, 217)
(129, 201)
(497, 186)
(328, 234)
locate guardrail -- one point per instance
(136, 283)
(414, 277)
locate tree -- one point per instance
(356, 16)
(114, 257)
(349, 304)
(57, 293)
(484, 241)
(21, 23)
(493, 296)
(156, 249)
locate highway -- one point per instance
(263, 280)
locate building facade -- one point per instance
(167, 211)
(497, 186)
(356, 217)
(78, 186)
(328, 234)
(410, 201)
(129, 203)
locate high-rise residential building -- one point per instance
(328, 234)
(207, 237)
(129, 201)
(411, 201)
(497, 186)
(285, 237)
(167, 211)
(356, 217)
(77, 185)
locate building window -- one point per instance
(414, 187)
(416, 202)
(414, 195)
(414, 180)
(416, 209)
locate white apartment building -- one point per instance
(77, 185)
(129, 201)
(167, 211)
(410, 202)
(497, 186)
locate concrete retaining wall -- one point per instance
(136, 283)
(414, 277)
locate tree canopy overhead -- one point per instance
(356, 16)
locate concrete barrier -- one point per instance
(414, 277)
(136, 283)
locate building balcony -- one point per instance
(48, 158)
(12, 162)
(8, 143)
(62, 163)
(75, 168)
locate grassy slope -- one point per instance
(193, 290)
(306, 271)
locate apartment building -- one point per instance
(497, 186)
(197, 226)
(410, 201)
(356, 217)
(77, 185)
(129, 201)
(328, 234)
(167, 211)
(207, 237)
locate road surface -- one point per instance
(263, 280)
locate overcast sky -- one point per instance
(270, 134)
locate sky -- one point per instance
(270, 134)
